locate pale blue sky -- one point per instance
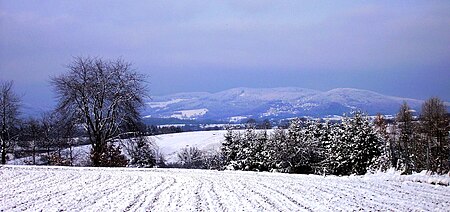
(399, 48)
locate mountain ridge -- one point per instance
(273, 103)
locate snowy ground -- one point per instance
(169, 145)
(113, 189)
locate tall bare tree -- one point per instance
(435, 124)
(103, 95)
(9, 117)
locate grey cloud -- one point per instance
(299, 39)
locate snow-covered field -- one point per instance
(122, 189)
(170, 144)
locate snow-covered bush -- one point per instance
(191, 158)
(305, 147)
(354, 146)
(142, 154)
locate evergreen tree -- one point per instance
(385, 161)
(260, 151)
(405, 141)
(354, 146)
(294, 147)
(338, 147)
(315, 136)
(112, 157)
(142, 153)
(275, 150)
(249, 145)
(230, 148)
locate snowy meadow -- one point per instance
(32, 188)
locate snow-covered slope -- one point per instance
(170, 144)
(28, 188)
(274, 103)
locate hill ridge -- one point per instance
(273, 103)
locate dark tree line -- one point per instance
(51, 133)
(158, 130)
(51, 136)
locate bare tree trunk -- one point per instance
(428, 153)
(34, 154)
(3, 152)
(71, 155)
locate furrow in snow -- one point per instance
(110, 189)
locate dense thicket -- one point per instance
(305, 147)
(353, 146)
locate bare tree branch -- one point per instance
(103, 95)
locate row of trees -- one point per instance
(52, 134)
(352, 146)
(417, 143)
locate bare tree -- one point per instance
(67, 133)
(58, 138)
(190, 157)
(33, 135)
(50, 132)
(9, 113)
(435, 124)
(103, 96)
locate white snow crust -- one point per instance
(32, 188)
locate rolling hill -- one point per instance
(272, 103)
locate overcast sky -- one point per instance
(399, 48)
